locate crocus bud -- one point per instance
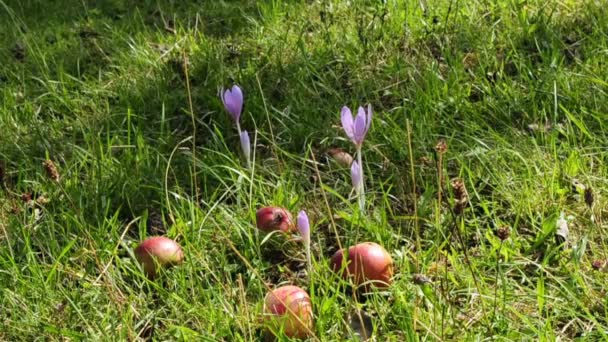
(356, 176)
(274, 218)
(245, 145)
(304, 226)
(233, 102)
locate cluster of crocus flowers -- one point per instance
(233, 102)
(356, 129)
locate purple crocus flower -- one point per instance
(233, 101)
(245, 145)
(304, 226)
(357, 128)
(356, 175)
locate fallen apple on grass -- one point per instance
(368, 263)
(269, 219)
(156, 252)
(288, 309)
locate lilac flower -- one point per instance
(233, 102)
(356, 176)
(304, 228)
(357, 128)
(246, 145)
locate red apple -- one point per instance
(158, 251)
(288, 309)
(367, 262)
(274, 218)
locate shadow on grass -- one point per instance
(112, 74)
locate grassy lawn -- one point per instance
(123, 98)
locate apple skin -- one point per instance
(298, 320)
(344, 159)
(269, 219)
(158, 251)
(367, 262)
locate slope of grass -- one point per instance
(123, 97)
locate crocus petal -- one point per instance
(360, 126)
(355, 173)
(304, 226)
(233, 102)
(245, 144)
(237, 95)
(347, 122)
(223, 93)
(227, 99)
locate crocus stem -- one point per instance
(308, 260)
(361, 189)
(496, 281)
(248, 163)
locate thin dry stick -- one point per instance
(413, 175)
(244, 303)
(327, 206)
(8, 241)
(191, 107)
(597, 213)
(456, 230)
(414, 192)
(2, 176)
(76, 209)
(65, 193)
(444, 292)
(444, 284)
(430, 331)
(440, 149)
(166, 178)
(598, 226)
(496, 279)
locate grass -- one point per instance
(516, 89)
